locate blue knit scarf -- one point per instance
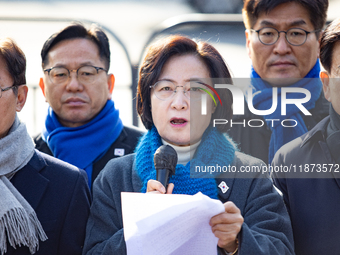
(82, 146)
(262, 100)
(215, 148)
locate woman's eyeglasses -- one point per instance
(166, 89)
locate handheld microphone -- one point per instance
(165, 160)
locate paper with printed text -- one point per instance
(169, 224)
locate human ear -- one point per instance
(21, 98)
(42, 86)
(213, 108)
(319, 41)
(111, 83)
(248, 35)
(324, 76)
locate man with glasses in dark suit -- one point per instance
(82, 126)
(283, 43)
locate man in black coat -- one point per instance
(58, 193)
(82, 126)
(283, 43)
(307, 170)
(44, 202)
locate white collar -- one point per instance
(184, 153)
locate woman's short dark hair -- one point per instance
(15, 61)
(317, 10)
(77, 30)
(160, 52)
(329, 38)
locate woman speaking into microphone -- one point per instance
(175, 79)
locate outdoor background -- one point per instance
(130, 24)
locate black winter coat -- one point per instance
(255, 140)
(127, 140)
(59, 194)
(313, 203)
(266, 228)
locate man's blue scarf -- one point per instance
(215, 148)
(262, 100)
(82, 146)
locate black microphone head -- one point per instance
(165, 158)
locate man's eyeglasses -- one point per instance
(165, 89)
(294, 36)
(8, 88)
(85, 74)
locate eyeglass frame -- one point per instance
(8, 88)
(279, 32)
(175, 91)
(48, 70)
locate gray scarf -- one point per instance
(19, 224)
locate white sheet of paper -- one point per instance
(169, 224)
